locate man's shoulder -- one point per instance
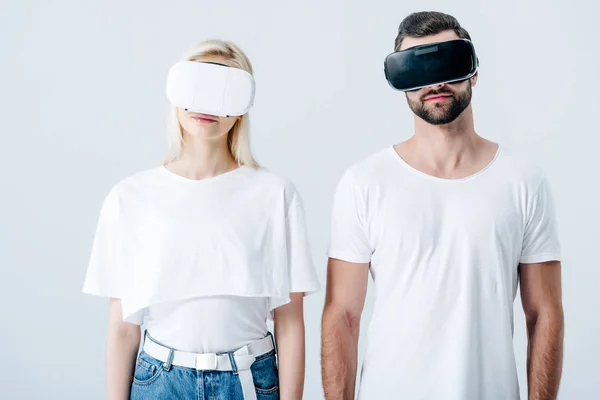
(520, 168)
(371, 167)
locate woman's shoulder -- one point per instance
(269, 178)
(255, 182)
(134, 182)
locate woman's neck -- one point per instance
(202, 159)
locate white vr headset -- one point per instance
(210, 88)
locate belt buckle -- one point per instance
(206, 362)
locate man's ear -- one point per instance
(474, 78)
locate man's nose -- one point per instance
(437, 86)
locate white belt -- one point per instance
(243, 359)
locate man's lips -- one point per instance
(439, 96)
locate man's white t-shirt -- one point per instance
(444, 259)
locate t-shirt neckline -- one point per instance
(208, 180)
(399, 159)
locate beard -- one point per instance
(441, 113)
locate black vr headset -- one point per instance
(431, 64)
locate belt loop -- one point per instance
(142, 343)
(167, 364)
(233, 364)
(144, 338)
(273, 341)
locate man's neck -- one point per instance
(449, 151)
(463, 126)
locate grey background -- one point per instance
(82, 105)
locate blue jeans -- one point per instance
(153, 381)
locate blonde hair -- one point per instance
(238, 138)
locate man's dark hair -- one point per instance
(425, 23)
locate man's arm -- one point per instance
(541, 295)
(344, 302)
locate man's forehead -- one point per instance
(444, 36)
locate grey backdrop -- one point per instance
(82, 106)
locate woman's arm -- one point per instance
(289, 335)
(123, 341)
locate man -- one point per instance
(448, 223)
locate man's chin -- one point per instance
(438, 106)
(437, 118)
(439, 122)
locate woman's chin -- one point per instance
(204, 134)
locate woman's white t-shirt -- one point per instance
(213, 324)
(207, 261)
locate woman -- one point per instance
(204, 249)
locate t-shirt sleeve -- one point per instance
(540, 241)
(302, 273)
(348, 235)
(103, 277)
